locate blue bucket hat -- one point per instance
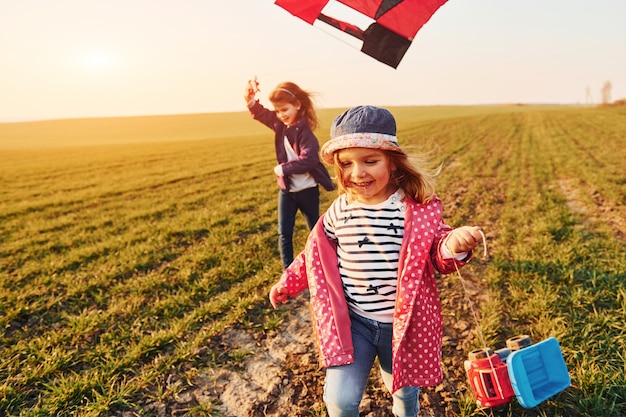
(362, 127)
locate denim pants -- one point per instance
(345, 385)
(308, 202)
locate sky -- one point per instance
(87, 58)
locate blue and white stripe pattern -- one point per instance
(368, 239)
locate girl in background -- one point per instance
(298, 170)
(370, 263)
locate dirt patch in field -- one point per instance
(276, 373)
(591, 206)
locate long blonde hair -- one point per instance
(412, 173)
(288, 92)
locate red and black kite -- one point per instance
(395, 22)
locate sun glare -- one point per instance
(98, 61)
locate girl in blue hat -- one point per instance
(298, 170)
(370, 264)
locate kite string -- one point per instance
(473, 311)
(465, 290)
(342, 40)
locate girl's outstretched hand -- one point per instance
(250, 92)
(464, 239)
(278, 294)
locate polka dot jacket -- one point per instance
(417, 323)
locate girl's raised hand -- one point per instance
(251, 89)
(249, 94)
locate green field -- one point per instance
(128, 244)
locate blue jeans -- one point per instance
(345, 385)
(308, 202)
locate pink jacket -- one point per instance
(417, 323)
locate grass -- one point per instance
(127, 244)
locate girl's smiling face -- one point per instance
(287, 112)
(366, 174)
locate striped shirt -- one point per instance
(368, 239)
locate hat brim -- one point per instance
(359, 140)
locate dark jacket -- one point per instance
(304, 143)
